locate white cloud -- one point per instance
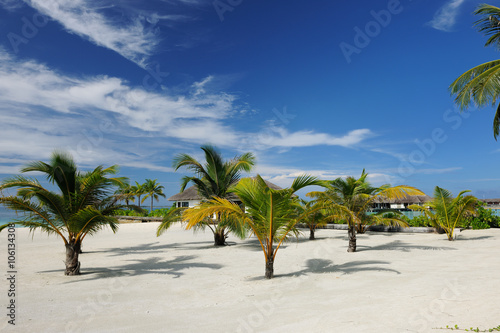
(284, 176)
(445, 18)
(104, 120)
(437, 171)
(41, 110)
(280, 137)
(131, 39)
(11, 4)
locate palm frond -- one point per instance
(90, 220)
(36, 216)
(173, 216)
(477, 85)
(489, 24)
(496, 123)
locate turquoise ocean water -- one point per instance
(7, 215)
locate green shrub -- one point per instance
(160, 212)
(484, 219)
(418, 221)
(477, 224)
(129, 212)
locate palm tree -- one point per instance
(138, 190)
(214, 179)
(152, 190)
(83, 205)
(126, 193)
(352, 198)
(481, 84)
(316, 218)
(270, 214)
(447, 212)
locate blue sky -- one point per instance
(325, 88)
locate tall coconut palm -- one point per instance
(82, 206)
(351, 199)
(138, 190)
(152, 190)
(270, 214)
(447, 212)
(481, 85)
(213, 179)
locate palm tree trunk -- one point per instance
(351, 232)
(219, 237)
(72, 264)
(151, 211)
(449, 233)
(311, 234)
(269, 266)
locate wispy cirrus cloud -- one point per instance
(105, 119)
(129, 37)
(42, 109)
(11, 4)
(444, 19)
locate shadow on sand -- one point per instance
(151, 265)
(137, 267)
(473, 238)
(320, 266)
(398, 245)
(156, 247)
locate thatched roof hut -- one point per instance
(409, 199)
(491, 203)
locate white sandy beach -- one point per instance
(133, 281)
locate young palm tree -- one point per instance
(352, 198)
(481, 84)
(315, 219)
(270, 214)
(213, 179)
(83, 205)
(448, 212)
(152, 190)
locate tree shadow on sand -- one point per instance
(464, 238)
(321, 266)
(152, 265)
(398, 245)
(156, 247)
(253, 243)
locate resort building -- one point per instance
(493, 204)
(190, 197)
(402, 204)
